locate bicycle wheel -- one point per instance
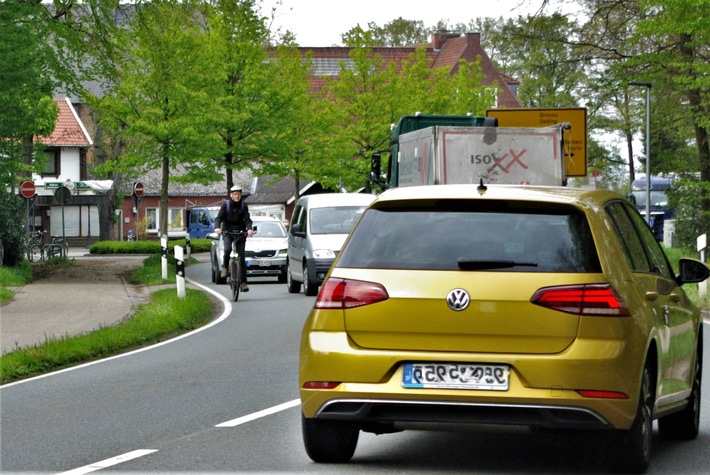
(235, 277)
(34, 253)
(52, 251)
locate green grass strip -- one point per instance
(166, 316)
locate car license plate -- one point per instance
(262, 263)
(456, 376)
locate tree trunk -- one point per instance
(165, 180)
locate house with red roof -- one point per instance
(66, 203)
(444, 50)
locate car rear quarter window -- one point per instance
(483, 236)
(640, 246)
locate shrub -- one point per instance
(12, 234)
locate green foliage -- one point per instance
(16, 276)
(398, 32)
(692, 220)
(164, 317)
(12, 233)
(148, 246)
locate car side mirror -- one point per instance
(691, 271)
(297, 230)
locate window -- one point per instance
(451, 236)
(175, 218)
(151, 218)
(52, 168)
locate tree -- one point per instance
(160, 102)
(26, 89)
(237, 36)
(398, 32)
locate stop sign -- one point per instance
(138, 189)
(27, 189)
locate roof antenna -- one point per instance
(481, 188)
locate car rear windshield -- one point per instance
(474, 236)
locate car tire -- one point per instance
(294, 287)
(685, 425)
(328, 441)
(214, 274)
(282, 277)
(630, 451)
(309, 288)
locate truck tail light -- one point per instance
(345, 293)
(595, 300)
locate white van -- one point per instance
(319, 226)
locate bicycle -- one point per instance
(57, 248)
(235, 266)
(35, 248)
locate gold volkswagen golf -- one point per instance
(537, 306)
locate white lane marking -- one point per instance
(225, 314)
(109, 462)
(260, 414)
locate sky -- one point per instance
(322, 22)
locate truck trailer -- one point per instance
(433, 149)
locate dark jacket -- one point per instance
(233, 216)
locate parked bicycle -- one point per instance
(235, 267)
(35, 252)
(57, 248)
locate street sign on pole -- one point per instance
(27, 189)
(575, 138)
(138, 189)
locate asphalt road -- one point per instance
(225, 400)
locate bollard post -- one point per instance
(164, 256)
(702, 245)
(180, 271)
(188, 250)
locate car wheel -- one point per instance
(631, 449)
(214, 274)
(294, 287)
(282, 277)
(329, 441)
(684, 425)
(309, 288)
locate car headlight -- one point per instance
(323, 254)
(282, 253)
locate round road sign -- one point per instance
(138, 189)
(27, 189)
(62, 195)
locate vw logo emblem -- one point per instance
(458, 299)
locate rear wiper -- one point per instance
(476, 264)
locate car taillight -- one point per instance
(346, 293)
(588, 300)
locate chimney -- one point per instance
(440, 37)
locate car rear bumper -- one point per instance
(543, 389)
(403, 414)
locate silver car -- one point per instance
(265, 251)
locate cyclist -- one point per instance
(233, 215)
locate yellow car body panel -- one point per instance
(482, 301)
